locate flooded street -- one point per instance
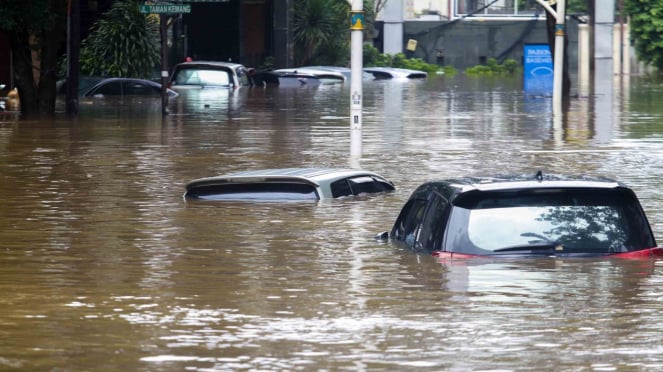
(104, 266)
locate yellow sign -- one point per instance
(411, 45)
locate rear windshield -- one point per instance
(254, 191)
(201, 76)
(572, 221)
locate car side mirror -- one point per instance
(382, 236)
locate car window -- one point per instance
(599, 221)
(254, 191)
(243, 76)
(190, 76)
(433, 226)
(112, 88)
(340, 188)
(139, 89)
(369, 184)
(409, 220)
(360, 185)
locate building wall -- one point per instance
(468, 43)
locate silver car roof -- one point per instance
(320, 178)
(211, 63)
(532, 182)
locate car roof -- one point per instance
(529, 181)
(209, 63)
(124, 79)
(108, 80)
(313, 176)
(454, 187)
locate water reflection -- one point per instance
(102, 260)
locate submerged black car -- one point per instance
(527, 215)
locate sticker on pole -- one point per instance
(356, 20)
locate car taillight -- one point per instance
(644, 253)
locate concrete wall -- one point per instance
(468, 43)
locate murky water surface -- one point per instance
(104, 267)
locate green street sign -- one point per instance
(165, 8)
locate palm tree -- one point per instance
(321, 31)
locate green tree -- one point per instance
(647, 29)
(124, 42)
(321, 32)
(36, 32)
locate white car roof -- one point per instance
(320, 178)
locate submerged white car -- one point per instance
(288, 184)
(209, 74)
(382, 73)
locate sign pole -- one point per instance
(356, 66)
(164, 10)
(163, 20)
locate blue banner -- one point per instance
(538, 69)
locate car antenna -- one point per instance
(539, 176)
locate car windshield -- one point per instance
(569, 221)
(213, 77)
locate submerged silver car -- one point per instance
(209, 74)
(288, 184)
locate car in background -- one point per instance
(309, 75)
(528, 215)
(383, 73)
(209, 74)
(288, 184)
(126, 87)
(84, 84)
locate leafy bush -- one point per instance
(492, 67)
(124, 43)
(647, 30)
(372, 57)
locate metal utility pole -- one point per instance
(356, 66)
(558, 66)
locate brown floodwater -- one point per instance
(104, 266)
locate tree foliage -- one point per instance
(123, 43)
(372, 57)
(646, 23)
(36, 32)
(494, 68)
(321, 31)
